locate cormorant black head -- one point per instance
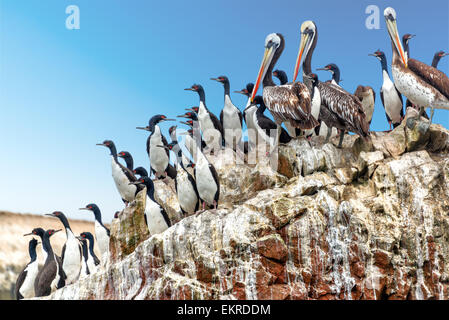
(87, 235)
(141, 171)
(145, 181)
(154, 121)
(36, 232)
(406, 37)
(116, 214)
(248, 90)
(94, 208)
(195, 87)
(437, 58)
(189, 115)
(258, 100)
(281, 75)
(125, 155)
(61, 216)
(51, 232)
(198, 89)
(194, 109)
(332, 67)
(188, 123)
(222, 79)
(110, 145)
(379, 55)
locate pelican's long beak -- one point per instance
(394, 35)
(304, 40)
(267, 57)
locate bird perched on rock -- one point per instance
(71, 251)
(156, 218)
(185, 184)
(367, 97)
(122, 176)
(51, 276)
(25, 282)
(230, 117)
(159, 157)
(92, 259)
(101, 232)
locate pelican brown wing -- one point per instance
(345, 106)
(290, 102)
(431, 75)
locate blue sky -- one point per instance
(62, 91)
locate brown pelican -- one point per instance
(422, 84)
(289, 102)
(339, 108)
(367, 97)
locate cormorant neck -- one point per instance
(91, 246)
(202, 95)
(84, 246)
(436, 60)
(97, 214)
(336, 75)
(113, 151)
(227, 88)
(383, 63)
(32, 251)
(282, 77)
(150, 192)
(129, 163)
(47, 246)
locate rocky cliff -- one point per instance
(368, 221)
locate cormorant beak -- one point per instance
(101, 144)
(189, 109)
(266, 60)
(244, 92)
(50, 214)
(28, 234)
(394, 35)
(187, 124)
(80, 238)
(216, 79)
(57, 231)
(143, 128)
(182, 116)
(305, 36)
(322, 69)
(135, 182)
(84, 209)
(445, 54)
(166, 119)
(189, 89)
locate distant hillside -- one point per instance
(14, 246)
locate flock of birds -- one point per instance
(311, 108)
